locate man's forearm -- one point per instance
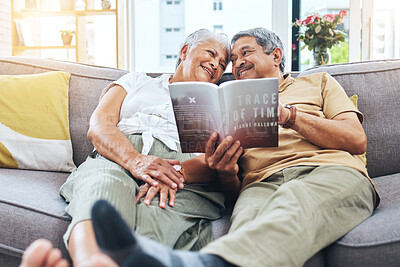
(344, 132)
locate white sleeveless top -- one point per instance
(147, 109)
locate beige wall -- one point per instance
(5, 28)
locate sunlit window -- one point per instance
(217, 5)
(340, 53)
(218, 28)
(386, 29)
(161, 26)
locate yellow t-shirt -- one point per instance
(316, 94)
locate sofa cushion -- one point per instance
(34, 128)
(375, 83)
(31, 208)
(377, 239)
(85, 86)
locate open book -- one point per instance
(245, 109)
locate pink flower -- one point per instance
(329, 17)
(299, 22)
(309, 20)
(343, 13)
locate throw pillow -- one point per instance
(354, 99)
(34, 127)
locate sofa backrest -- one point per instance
(86, 84)
(377, 84)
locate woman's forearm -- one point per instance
(196, 170)
(103, 132)
(112, 144)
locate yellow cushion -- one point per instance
(34, 127)
(354, 99)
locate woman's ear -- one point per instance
(277, 53)
(184, 52)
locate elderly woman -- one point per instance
(136, 145)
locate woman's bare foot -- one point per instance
(41, 253)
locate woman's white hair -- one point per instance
(203, 36)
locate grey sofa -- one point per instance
(31, 208)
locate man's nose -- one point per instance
(240, 62)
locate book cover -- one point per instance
(244, 109)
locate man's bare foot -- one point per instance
(41, 253)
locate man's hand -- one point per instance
(150, 168)
(151, 191)
(224, 158)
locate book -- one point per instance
(245, 109)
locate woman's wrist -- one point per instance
(180, 169)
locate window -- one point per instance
(159, 27)
(339, 54)
(218, 28)
(217, 5)
(385, 41)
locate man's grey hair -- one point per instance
(267, 39)
(203, 36)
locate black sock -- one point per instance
(115, 239)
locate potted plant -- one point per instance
(105, 4)
(66, 36)
(320, 34)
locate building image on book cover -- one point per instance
(246, 109)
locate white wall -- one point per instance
(5, 26)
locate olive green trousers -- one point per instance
(287, 218)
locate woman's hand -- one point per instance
(151, 191)
(154, 171)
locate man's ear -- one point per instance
(277, 53)
(184, 52)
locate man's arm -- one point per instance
(343, 132)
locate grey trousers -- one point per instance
(185, 226)
(287, 218)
